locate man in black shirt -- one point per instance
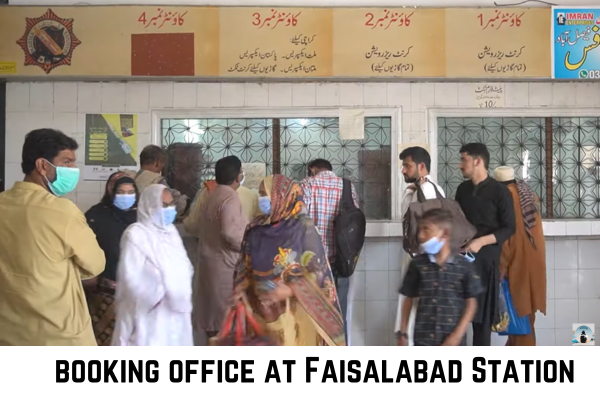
(488, 205)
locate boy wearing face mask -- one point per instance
(445, 284)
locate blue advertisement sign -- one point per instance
(576, 43)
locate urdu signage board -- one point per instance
(575, 42)
(267, 42)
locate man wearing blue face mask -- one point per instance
(47, 248)
(445, 285)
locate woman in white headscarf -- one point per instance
(154, 294)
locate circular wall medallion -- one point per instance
(48, 41)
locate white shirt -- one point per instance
(153, 299)
(410, 196)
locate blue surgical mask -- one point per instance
(264, 204)
(65, 182)
(432, 246)
(169, 214)
(124, 201)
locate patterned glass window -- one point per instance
(285, 146)
(568, 187)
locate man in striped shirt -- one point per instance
(322, 195)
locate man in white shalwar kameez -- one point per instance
(154, 294)
(416, 163)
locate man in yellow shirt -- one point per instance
(46, 249)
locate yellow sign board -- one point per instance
(257, 42)
(8, 67)
(266, 42)
(498, 43)
(384, 43)
(111, 41)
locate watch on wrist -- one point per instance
(401, 334)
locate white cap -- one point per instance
(504, 174)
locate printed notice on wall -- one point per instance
(352, 123)
(487, 95)
(254, 174)
(110, 144)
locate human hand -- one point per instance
(474, 246)
(402, 341)
(452, 340)
(239, 294)
(280, 293)
(89, 284)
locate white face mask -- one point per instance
(264, 204)
(169, 214)
(243, 179)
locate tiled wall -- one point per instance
(573, 267)
(573, 291)
(63, 105)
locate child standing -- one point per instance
(445, 283)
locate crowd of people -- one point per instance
(120, 274)
(445, 289)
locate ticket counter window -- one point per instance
(284, 146)
(558, 157)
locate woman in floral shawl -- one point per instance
(284, 272)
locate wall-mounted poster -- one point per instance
(110, 144)
(575, 43)
(254, 174)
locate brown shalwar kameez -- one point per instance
(524, 264)
(220, 234)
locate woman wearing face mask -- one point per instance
(154, 294)
(109, 219)
(284, 273)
